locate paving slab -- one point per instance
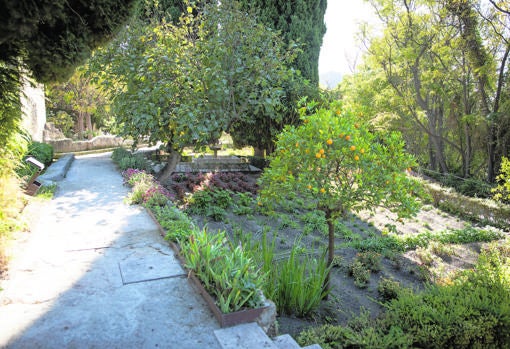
(149, 268)
(95, 273)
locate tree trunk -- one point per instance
(173, 159)
(88, 122)
(258, 152)
(491, 152)
(331, 247)
(79, 125)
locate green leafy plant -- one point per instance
(472, 311)
(371, 260)
(209, 200)
(243, 204)
(225, 271)
(314, 221)
(294, 280)
(388, 289)
(360, 273)
(47, 192)
(301, 283)
(502, 191)
(176, 224)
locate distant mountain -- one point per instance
(330, 79)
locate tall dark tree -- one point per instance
(54, 36)
(299, 21)
(46, 39)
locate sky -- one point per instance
(339, 49)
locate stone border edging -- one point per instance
(57, 171)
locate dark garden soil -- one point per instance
(411, 269)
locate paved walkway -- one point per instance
(95, 273)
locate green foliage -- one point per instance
(400, 243)
(54, 37)
(41, 151)
(334, 159)
(47, 192)
(300, 283)
(186, 89)
(225, 271)
(294, 281)
(471, 312)
(362, 334)
(371, 260)
(12, 146)
(119, 153)
(300, 21)
(314, 221)
(243, 204)
(388, 289)
(176, 224)
(62, 121)
(77, 102)
(471, 187)
(360, 273)
(211, 203)
(476, 210)
(502, 191)
(125, 160)
(146, 189)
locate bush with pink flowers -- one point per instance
(146, 189)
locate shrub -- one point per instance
(365, 335)
(502, 191)
(388, 289)
(42, 152)
(360, 273)
(211, 202)
(125, 159)
(371, 260)
(120, 153)
(145, 189)
(473, 311)
(136, 161)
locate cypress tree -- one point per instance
(300, 21)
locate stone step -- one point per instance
(245, 336)
(251, 336)
(285, 341)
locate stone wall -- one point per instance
(34, 109)
(67, 145)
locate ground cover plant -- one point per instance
(472, 310)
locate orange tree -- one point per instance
(334, 159)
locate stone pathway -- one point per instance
(95, 273)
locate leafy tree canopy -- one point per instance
(185, 84)
(54, 36)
